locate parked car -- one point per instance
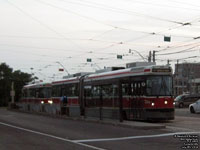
(195, 107)
(185, 100)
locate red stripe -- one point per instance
(64, 81)
(114, 74)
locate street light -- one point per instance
(137, 53)
(63, 67)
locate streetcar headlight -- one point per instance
(174, 103)
(152, 104)
(50, 101)
(42, 102)
(166, 102)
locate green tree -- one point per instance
(7, 76)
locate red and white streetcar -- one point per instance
(137, 93)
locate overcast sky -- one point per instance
(39, 36)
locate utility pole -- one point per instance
(149, 58)
(177, 78)
(168, 62)
(154, 57)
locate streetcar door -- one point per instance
(137, 98)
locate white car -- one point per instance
(195, 107)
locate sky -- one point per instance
(41, 36)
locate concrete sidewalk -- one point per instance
(128, 124)
(125, 123)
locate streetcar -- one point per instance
(137, 93)
(34, 95)
(140, 93)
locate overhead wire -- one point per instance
(101, 22)
(188, 4)
(181, 51)
(41, 23)
(118, 10)
(72, 12)
(164, 5)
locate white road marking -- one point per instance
(52, 136)
(135, 137)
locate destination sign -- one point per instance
(161, 70)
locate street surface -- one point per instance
(23, 131)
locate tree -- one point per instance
(7, 76)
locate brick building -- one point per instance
(184, 75)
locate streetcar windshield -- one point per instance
(159, 86)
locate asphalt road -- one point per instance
(185, 112)
(21, 131)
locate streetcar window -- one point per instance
(138, 88)
(107, 90)
(125, 89)
(41, 93)
(88, 91)
(25, 93)
(31, 93)
(69, 90)
(159, 86)
(96, 91)
(48, 92)
(56, 91)
(44, 92)
(115, 90)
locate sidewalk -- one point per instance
(129, 124)
(125, 123)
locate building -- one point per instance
(184, 75)
(196, 85)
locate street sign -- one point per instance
(119, 56)
(167, 38)
(89, 60)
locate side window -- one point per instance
(138, 88)
(186, 99)
(195, 99)
(56, 91)
(133, 88)
(125, 89)
(88, 91)
(115, 90)
(107, 90)
(32, 93)
(96, 91)
(143, 88)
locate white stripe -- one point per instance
(52, 136)
(135, 137)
